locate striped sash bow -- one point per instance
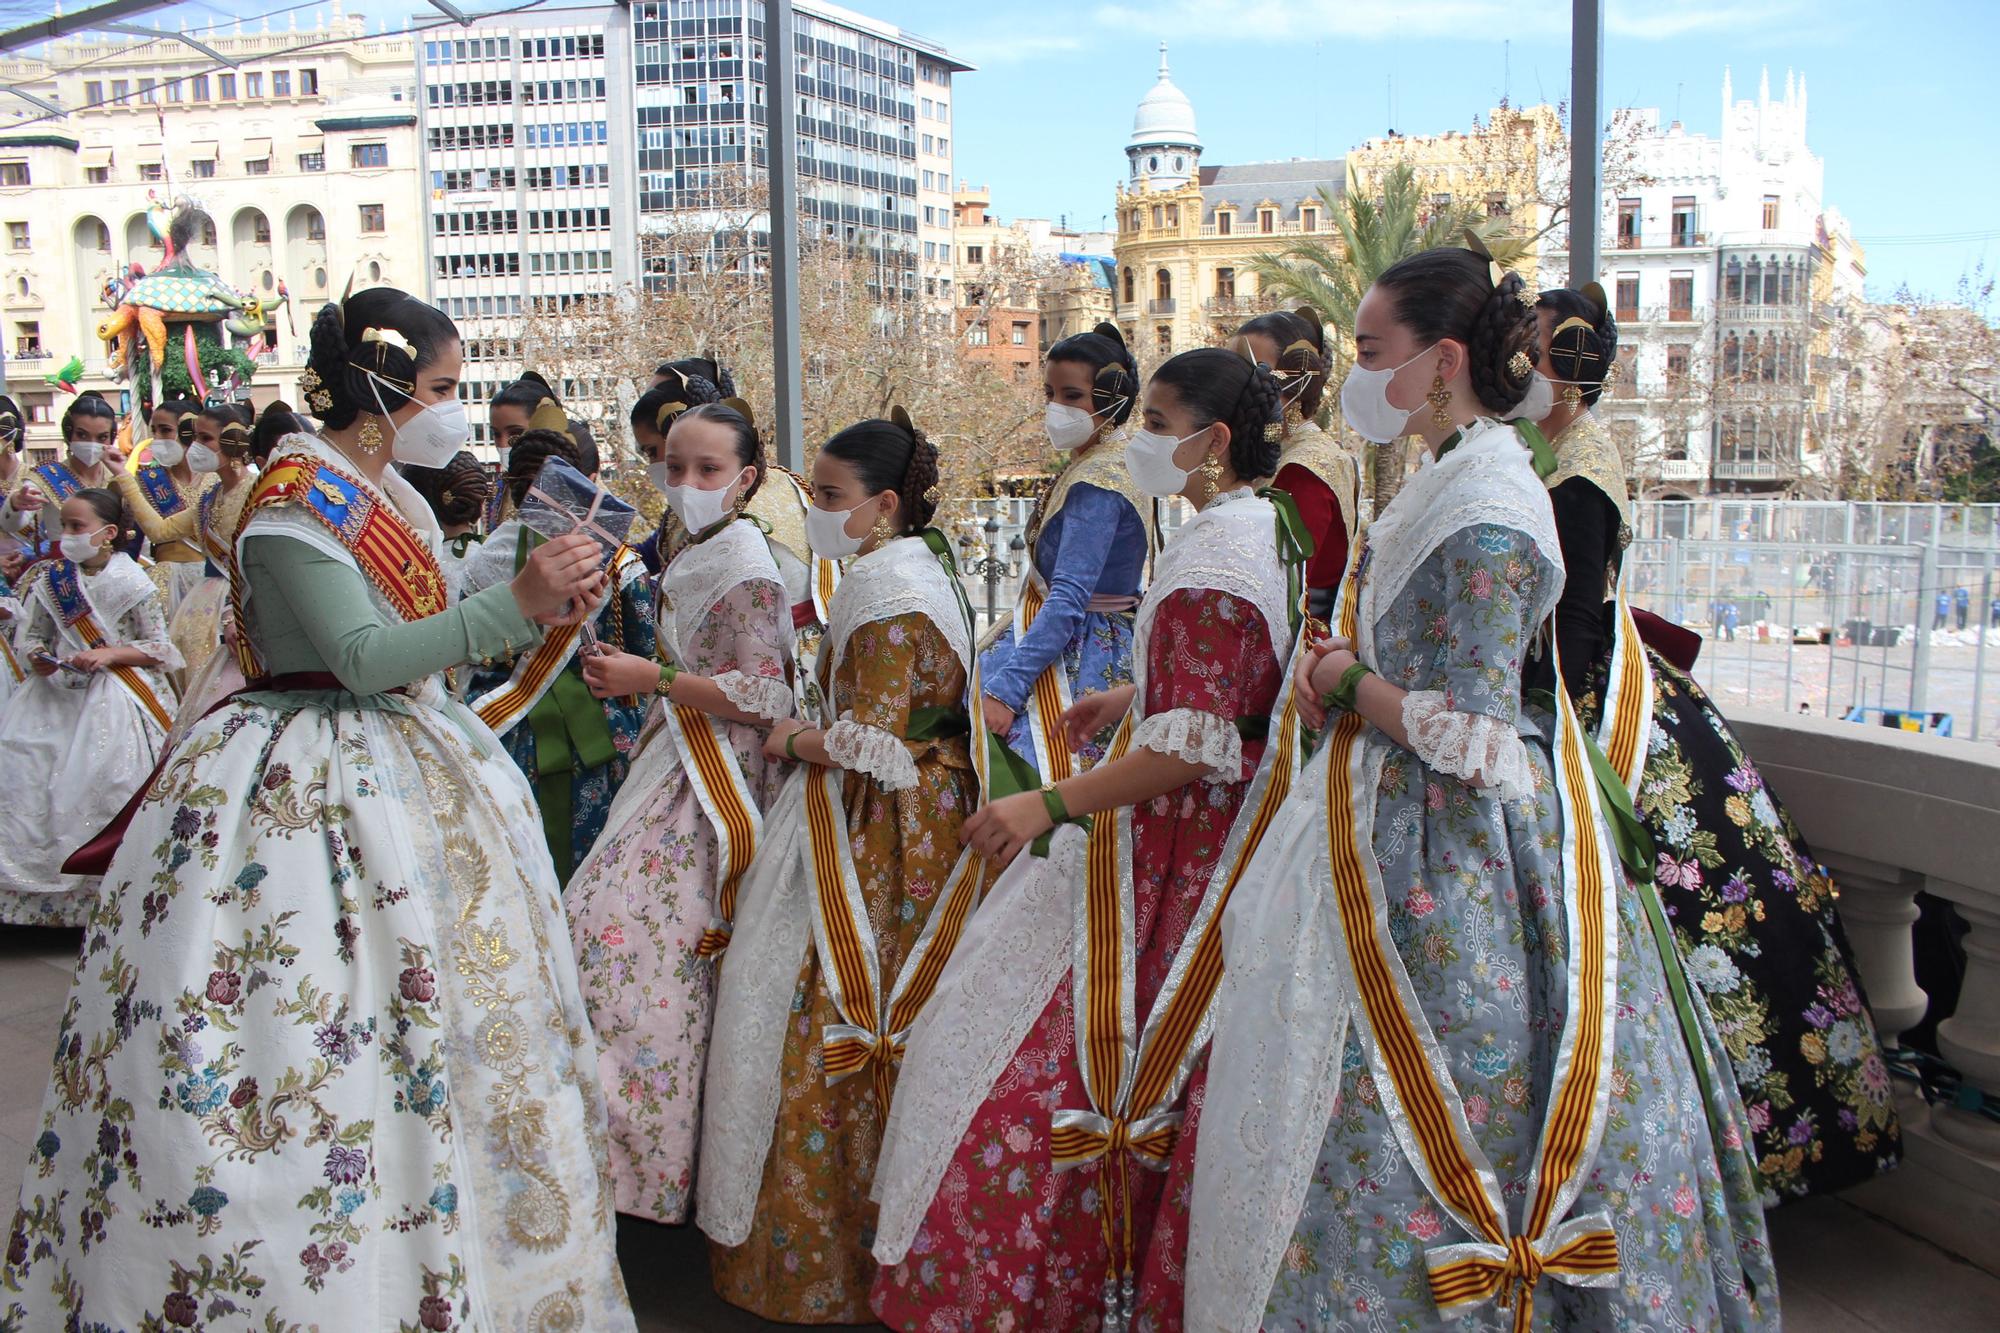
(1502, 1264)
(1077, 1138)
(1582, 1252)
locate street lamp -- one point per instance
(991, 566)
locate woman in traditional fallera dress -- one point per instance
(32, 511)
(1753, 913)
(1088, 539)
(1449, 1074)
(325, 1058)
(83, 735)
(1022, 1187)
(857, 898)
(458, 494)
(1318, 471)
(650, 908)
(219, 447)
(576, 749)
(162, 494)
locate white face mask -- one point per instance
(168, 452)
(1538, 403)
(1149, 457)
(78, 547)
(1068, 427)
(1364, 401)
(698, 509)
(88, 452)
(826, 529)
(200, 458)
(432, 437)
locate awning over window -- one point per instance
(150, 154)
(99, 157)
(312, 143)
(256, 150)
(202, 150)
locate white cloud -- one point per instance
(1010, 48)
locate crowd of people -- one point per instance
(1303, 922)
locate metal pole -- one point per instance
(1586, 130)
(1929, 585)
(782, 137)
(1982, 616)
(993, 568)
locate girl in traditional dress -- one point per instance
(458, 494)
(650, 909)
(1450, 1075)
(221, 448)
(674, 391)
(162, 495)
(1320, 474)
(1021, 1187)
(1753, 914)
(33, 508)
(87, 727)
(857, 898)
(1088, 538)
(325, 1059)
(576, 749)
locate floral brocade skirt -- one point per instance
(324, 1049)
(1098, 657)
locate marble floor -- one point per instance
(1847, 1264)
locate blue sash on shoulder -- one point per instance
(158, 486)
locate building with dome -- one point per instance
(1187, 231)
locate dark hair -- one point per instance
(1114, 375)
(697, 391)
(527, 393)
(1583, 358)
(230, 417)
(888, 456)
(1218, 384)
(702, 368)
(342, 361)
(180, 407)
(1449, 293)
(457, 492)
(586, 446)
(525, 459)
(87, 404)
(278, 421)
(749, 444)
(1288, 328)
(10, 408)
(106, 504)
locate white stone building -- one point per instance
(301, 154)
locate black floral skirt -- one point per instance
(1754, 916)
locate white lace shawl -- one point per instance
(1489, 479)
(773, 917)
(899, 579)
(113, 592)
(1016, 949)
(697, 578)
(290, 520)
(1285, 1004)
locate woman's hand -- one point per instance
(26, 500)
(999, 830)
(610, 674)
(774, 744)
(1307, 696)
(999, 717)
(560, 574)
(95, 659)
(12, 561)
(1090, 715)
(43, 664)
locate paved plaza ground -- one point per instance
(1844, 1265)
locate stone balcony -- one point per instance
(1893, 814)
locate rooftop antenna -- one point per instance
(1506, 68)
(1677, 101)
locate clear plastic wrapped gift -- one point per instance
(563, 500)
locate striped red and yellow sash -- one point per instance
(724, 796)
(1626, 728)
(1049, 699)
(66, 587)
(1500, 1264)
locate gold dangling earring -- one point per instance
(1572, 395)
(1439, 398)
(370, 437)
(882, 533)
(1211, 478)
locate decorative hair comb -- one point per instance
(741, 409)
(548, 415)
(317, 397)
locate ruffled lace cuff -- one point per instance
(1484, 751)
(860, 748)
(1195, 737)
(768, 698)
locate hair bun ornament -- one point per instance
(742, 409)
(1241, 346)
(1519, 366)
(1593, 292)
(1106, 329)
(317, 397)
(548, 415)
(901, 417)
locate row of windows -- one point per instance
(481, 223)
(197, 88)
(535, 178)
(724, 48)
(500, 92)
(1767, 282)
(205, 168)
(583, 261)
(1680, 296)
(1224, 218)
(587, 47)
(558, 135)
(471, 307)
(479, 266)
(1163, 285)
(1770, 359)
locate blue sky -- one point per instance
(1901, 109)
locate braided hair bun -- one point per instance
(1114, 375)
(892, 455)
(1300, 340)
(1450, 293)
(367, 350)
(1580, 353)
(1225, 385)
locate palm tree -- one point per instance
(1373, 233)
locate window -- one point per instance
(151, 171)
(17, 235)
(371, 219)
(1163, 338)
(202, 168)
(1732, 283)
(1128, 287)
(975, 254)
(28, 338)
(1159, 217)
(225, 87)
(1308, 219)
(371, 154)
(259, 167)
(1496, 204)
(1225, 221)
(1163, 285)
(1678, 357)
(281, 83)
(253, 83)
(146, 93)
(13, 174)
(1627, 385)
(1770, 212)
(260, 230)
(1020, 334)
(308, 83)
(97, 175)
(199, 91)
(1683, 220)
(1267, 220)
(976, 335)
(1628, 296)
(312, 161)
(120, 90)
(315, 227)
(93, 92)
(1628, 224)
(1680, 295)
(1173, 215)
(1225, 284)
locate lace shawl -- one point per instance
(697, 578)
